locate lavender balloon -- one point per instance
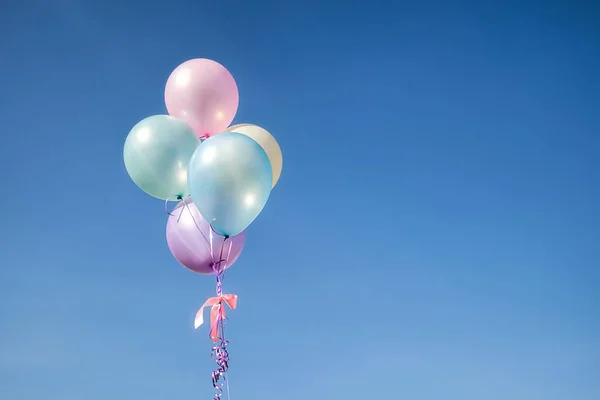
(189, 236)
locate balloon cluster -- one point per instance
(220, 175)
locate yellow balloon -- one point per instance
(266, 141)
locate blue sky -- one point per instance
(434, 234)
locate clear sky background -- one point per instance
(434, 235)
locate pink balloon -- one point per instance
(204, 94)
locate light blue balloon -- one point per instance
(230, 180)
(157, 154)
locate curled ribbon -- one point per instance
(217, 313)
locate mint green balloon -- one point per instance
(157, 153)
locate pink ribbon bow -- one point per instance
(217, 313)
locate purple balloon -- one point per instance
(188, 237)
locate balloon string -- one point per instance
(187, 207)
(210, 245)
(219, 351)
(178, 197)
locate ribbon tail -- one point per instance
(199, 320)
